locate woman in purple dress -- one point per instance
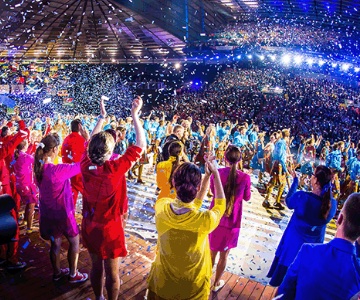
(237, 188)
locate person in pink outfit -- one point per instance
(57, 212)
(237, 188)
(25, 185)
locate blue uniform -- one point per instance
(305, 226)
(323, 272)
(279, 153)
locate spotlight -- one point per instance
(298, 59)
(249, 56)
(286, 59)
(177, 66)
(321, 62)
(272, 57)
(262, 57)
(238, 57)
(310, 61)
(357, 69)
(345, 67)
(334, 64)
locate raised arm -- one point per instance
(139, 130)
(99, 124)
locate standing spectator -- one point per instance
(165, 170)
(72, 151)
(105, 202)
(57, 212)
(312, 211)
(182, 267)
(329, 271)
(236, 186)
(9, 253)
(25, 185)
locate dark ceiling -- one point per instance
(142, 30)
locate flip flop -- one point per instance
(219, 286)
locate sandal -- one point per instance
(219, 286)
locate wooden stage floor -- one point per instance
(35, 282)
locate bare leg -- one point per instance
(73, 254)
(55, 254)
(29, 214)
(97, 276)
(221, 265)
(112, 278)
(213, 256)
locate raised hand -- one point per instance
(102, 108)
(136, 105)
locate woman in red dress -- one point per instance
(105, 202)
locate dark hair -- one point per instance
(50, 142)
(99, 147)
(187, 179)
(351, 211)
(175, 149)
(324, 176)
(233, 156)
(19, 147)
(75, 125)
(4, 131)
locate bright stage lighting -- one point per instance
(345, 67)
(262, 57)
(298, 59)
(334, 64)
(310, 61)
(249, 56)
(272, 57)
(238, 57)
(46, 100)
(356, 69)
(286, 59)
(321, 62)
(177, 66)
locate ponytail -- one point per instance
(324, 176)
(232, 156)
(47, 144)
(230, 190)
(20, 147)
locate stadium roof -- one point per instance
(112, 31)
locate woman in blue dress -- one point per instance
(312, 211)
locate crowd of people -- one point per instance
(204, 143)
(307, 36)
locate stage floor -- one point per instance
(245, 274)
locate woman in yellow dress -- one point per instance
(165, 171)
(182, 267)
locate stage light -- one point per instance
(321, 62)
(249, 56)
(262, 57)
(345, 67)
(286, 59)
(238, 57)
(356, 69)
(298, 59)
(46, 100)
(217, 57)
(272, 57)
(177, 66)
(334, 64)
(310, 61)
